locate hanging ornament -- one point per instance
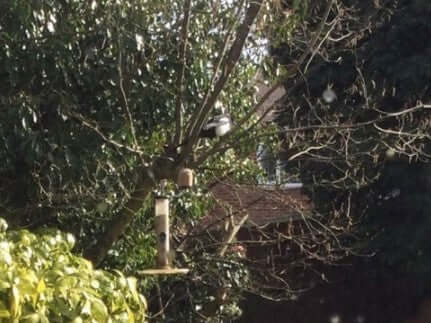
(329, 95)
(185, 178)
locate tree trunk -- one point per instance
(118, 224)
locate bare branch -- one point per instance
(124, 97)
(224, 144)
(210, 308)
(387, 115)
(220, 59)
(292, 68)
(313, 49)
(180, 79)
(227, 67)
(232, 234)
(94, 127)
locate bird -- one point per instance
(217, 126)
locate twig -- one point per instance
(123, 95)
(313, 48)
(162, 306)
(96, 129)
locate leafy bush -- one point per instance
(41, 281)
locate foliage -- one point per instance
(90, 93)
(353, 151)
(105, 98)
(42, 281)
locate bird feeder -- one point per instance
(161, 224)
(185, 178)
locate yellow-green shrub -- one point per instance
(41, 281)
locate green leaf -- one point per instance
(31, 318)
(15, 305)
(99, 310)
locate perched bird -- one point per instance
(217, 126)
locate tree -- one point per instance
(92, 90)
(103, 99)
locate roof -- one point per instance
(263, 204)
